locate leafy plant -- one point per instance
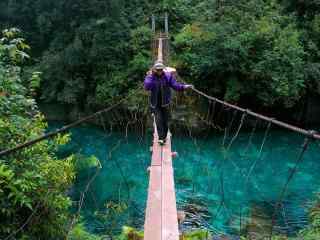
(83, 163)
(196, 235)
(129, 233)
(33, 181)
(79, 233)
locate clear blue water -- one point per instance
(212, 185)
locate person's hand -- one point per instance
(188, 86)
(149, 72)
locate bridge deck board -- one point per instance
(161, 221)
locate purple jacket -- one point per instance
(154, 83)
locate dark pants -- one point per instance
(162, 118)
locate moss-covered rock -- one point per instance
(196, 235)
(79, 233)
(129, 233)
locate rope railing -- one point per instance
(60, 130)
(224, 163)
(162, 55)
(310, 133)
(232, 148)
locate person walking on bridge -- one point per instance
(160, 82)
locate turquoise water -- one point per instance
(218, 190)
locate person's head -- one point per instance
(158, 68)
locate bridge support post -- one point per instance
(166, 24)
(153, 23)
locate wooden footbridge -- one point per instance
(161, 220)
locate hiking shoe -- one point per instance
(162, 142)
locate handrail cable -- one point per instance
(310, 133)
(61, 130)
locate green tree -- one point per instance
(251, 50)
(33, 182)
(263, 53)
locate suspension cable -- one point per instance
(290, 177)
(251, 136)
(228, 128)
(266, 134)
(238, 131)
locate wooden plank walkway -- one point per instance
(161, 222)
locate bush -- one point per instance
(33, 182)
(79, 233)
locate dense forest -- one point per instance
(256, 53)
(261, 52)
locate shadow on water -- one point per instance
(218, 191)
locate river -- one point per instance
(223, 191)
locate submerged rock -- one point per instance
(196, 213)
(260, 223)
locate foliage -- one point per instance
(110, 216)
(79, 233)
(33, 182)
(83, 163)
(13, 46)
(136, 101)
(196, 235)
(313, 231)
(263, 52)
(245, 53)
(274, 238)
(129, 233)
(89, 54)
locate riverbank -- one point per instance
(196, 114)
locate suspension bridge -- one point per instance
(161, 215)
